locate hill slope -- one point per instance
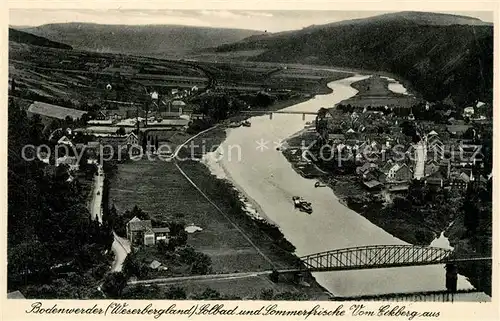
(441, 55)
(154, 40)
(27, 38)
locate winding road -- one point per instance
(120, 246)
(96, 202)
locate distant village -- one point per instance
(120, 126)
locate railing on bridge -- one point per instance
(380, 256)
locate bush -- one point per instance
(200, 263)
(267, 294)
(162, 246)
(114, 283)
(133, 267)
(175, 293)
(208, 294)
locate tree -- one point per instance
(175, 293)
(121, 131)
(36, 130)
(290, 296)
(178, 235)
(162, 246)
(201, 265)
(133, 267)
(49, 229)
(62, 172)
(114, 283)
(267, 294)
(274, 276)
(208, 294)
(263, 99)
(141, 292)
(68, 120)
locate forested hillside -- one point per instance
(55, 250)
(453, 60)
(28, 38)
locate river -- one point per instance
(267, 179)
(396, 87)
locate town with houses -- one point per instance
(115, 128)
(444, 154)
(116, 190)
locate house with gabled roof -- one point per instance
(435, 179)
(141, 232)
(132, 139)
(431, 167)
(361, 170)
(65, 141)
(399, 173)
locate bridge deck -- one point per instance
(381, 256)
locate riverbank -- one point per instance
(321, 88)
(419, 226)
(244, 211)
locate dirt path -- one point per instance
(121, 248)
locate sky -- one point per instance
(269, 20)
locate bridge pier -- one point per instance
(298, 277)
(451, 277)
(270, 115)
(303, 116)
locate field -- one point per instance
(77, 79)
(161, 190)
(233, 241)
(244, 76)
(250, 288)
(158, 188)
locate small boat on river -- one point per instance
(235, 124)
(246, 123)
(302, 204)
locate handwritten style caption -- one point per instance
(218, 309)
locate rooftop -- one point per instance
(170, 122)
(100, 122)
(155, 264)
(161, 230)
(178, 103)
(55, 111)
(15, 295)
(458, 128)
(372, 183)
(138, 225)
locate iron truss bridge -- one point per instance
(381, 256)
